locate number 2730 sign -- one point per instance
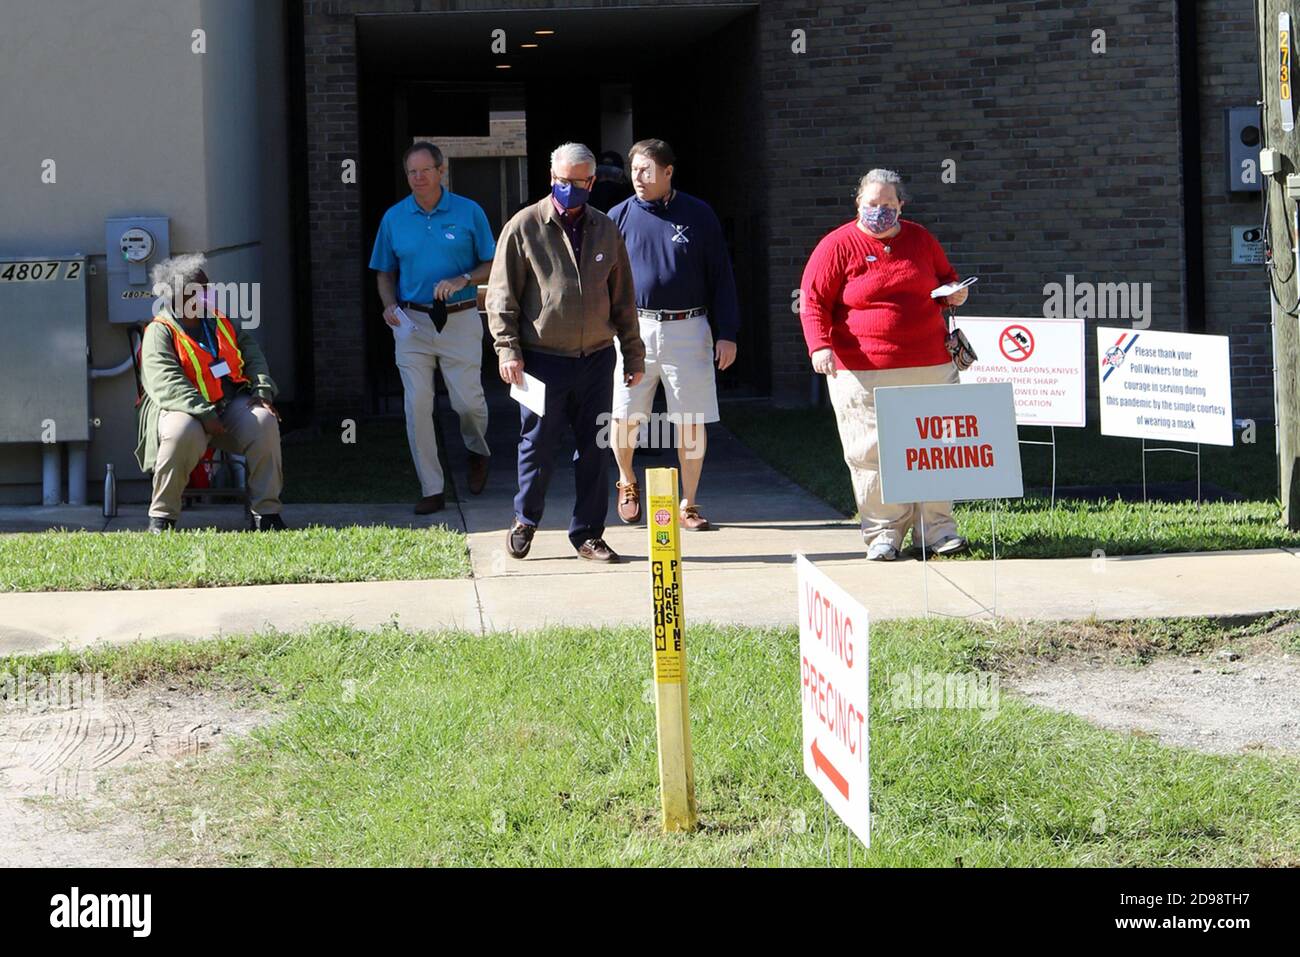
(1284, 70)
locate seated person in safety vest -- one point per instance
(205, 382)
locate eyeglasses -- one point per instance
(428, 171)
(573, 182)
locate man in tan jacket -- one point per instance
(560, 290)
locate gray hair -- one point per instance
(572, 154)
(886, 177)
(173, 275)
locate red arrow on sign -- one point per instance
(823, 764)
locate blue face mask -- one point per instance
(570, 196)
(878, 219)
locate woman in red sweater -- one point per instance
(869, 321)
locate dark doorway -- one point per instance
(688, 74)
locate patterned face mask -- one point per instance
(878, 219)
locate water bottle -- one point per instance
(110, 492)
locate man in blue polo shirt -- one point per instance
(683, 276)
(432, 251)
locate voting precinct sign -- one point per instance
(1041, 358)
(943, 442)
(1174, 386)
(833, 688)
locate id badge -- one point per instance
(220, 368)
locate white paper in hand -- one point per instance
(952, 287)
(531, 395)
(404, 326)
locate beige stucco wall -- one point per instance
(139, 123)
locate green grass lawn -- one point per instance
(394, 748)
(804, 444)
(61, 561)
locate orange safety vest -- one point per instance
(196, 361)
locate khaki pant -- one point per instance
(855, 413)
(251, 431)
(459, 350)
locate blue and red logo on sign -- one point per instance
(1114, 356)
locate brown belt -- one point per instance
(451, 307)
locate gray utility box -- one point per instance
(1241, 155)
(132, 245)
(44, 365)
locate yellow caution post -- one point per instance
(672, 708)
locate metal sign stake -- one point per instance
(925, 570)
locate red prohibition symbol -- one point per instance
(1016, 343)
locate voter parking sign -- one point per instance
(940, 443)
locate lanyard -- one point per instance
(207, 336)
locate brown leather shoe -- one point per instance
(692, 520)
(430, 504)
(520, 539)
(478, 471)
(595, 550)
(629, 503)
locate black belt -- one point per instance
(668, 315)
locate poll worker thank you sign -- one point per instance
(1164, 385)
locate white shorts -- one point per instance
(680, 354)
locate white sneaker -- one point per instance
(882, 552)
(948, 545)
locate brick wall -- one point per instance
(1236, 297)
(334, 207)
(1067, 161)
(507, 137)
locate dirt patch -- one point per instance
(1224, 702)
(66, 754)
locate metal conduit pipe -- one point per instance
(77, 473)
(77, 453)
(115, 370)
(50, 484)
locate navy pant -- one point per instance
(579, 393)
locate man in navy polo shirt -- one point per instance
(432, 251)
(683, 276)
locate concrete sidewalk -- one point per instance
(742, 573)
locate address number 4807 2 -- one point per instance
(38, 271)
